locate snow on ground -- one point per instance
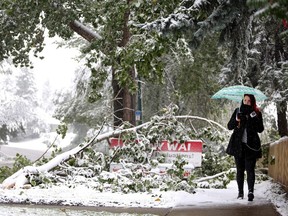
(82, 195)
(44, 141)
(35, 144)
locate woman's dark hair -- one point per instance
(253, 102)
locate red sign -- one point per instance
(190, 150)
(188, 146)
(114, 142)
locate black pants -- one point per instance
(242, 164)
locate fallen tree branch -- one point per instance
(47, 149)
(202, 119)
(215, 176)
(19, 178)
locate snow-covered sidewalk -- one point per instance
(82, 195)
(85, 195)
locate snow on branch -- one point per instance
(19, 178)
(216, 176)
(84, 31)
(203, 119)
(172, 22)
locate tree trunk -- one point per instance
(281, 118)
(282, 105)
(118, 95)
(124, 100)
(124, 104)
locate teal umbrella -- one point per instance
(236, 93)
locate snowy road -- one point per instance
(32, 151)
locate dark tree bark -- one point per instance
(281, 118)
(282, 105)
(124, 104)
(124, 100)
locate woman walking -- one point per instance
(245, 144)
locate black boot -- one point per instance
(250, 196)
(240, 195)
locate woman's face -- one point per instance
(247, 100)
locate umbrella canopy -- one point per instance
(236, 93)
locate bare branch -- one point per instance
(203, 119)
(215, 176)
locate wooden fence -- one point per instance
(278, 161)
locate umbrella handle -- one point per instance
(237, 119)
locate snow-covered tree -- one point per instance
(73, 108)
(19, 110)
(266, 64)
(276, 8)
(236, 21)
(116, 43)
(185, 80)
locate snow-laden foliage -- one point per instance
(276, 8)
(18, 98)
(121, 44)
(23, 111)
(124, 50)
(72, 106)
(267, 64)
(276, 81)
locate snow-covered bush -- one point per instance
(20, 161)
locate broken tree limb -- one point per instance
(84, 31)
(19, 178)
(47, 149)
(202, 119)
(215, 176)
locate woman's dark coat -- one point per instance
(254, 126)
